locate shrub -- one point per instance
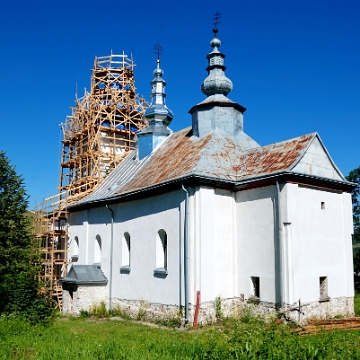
(218, 311)
(24, 299)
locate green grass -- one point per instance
(357, 303)
(94, 338)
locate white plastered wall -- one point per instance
(78, 227)
(317, 227)
(231, 239)
(141, 219)
(212, 244)
(255, 236)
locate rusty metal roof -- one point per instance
(217, 156)
(214, 156)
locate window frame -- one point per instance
(323, 289)
(97, 246)
(125, 253)
(254, 289)
(75, 255)
(161, 252)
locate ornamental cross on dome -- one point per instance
(216, 19)
(158, 50)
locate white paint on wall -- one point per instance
(256, 239)
(317, 238)
(216, 243)
(231, 239)
(142, 220)
(347, 240)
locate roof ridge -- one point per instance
(288, 140)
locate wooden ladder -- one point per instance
(57, 295)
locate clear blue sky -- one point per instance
(295, 66)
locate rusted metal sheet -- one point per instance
(177, 156)
(215, 155)
(272, 158)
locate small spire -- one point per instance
(157, 115)
(216, 82)
(158, 112)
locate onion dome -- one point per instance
(216, 83)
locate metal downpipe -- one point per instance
(186, 256)
(279, 254)
(111, 254)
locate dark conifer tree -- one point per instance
(18, 253)
(354, 176)
(15, 240)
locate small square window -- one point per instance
(322, 205)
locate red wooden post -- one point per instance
(197, 309)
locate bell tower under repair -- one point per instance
(97, 136)
(102, 127)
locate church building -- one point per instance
(206, 221)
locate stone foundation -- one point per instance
(209, 312)
(81, 297)
(143, 310)
(320, 310)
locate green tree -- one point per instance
(15, 240)
(18, 255)
(354, 176)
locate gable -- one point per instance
(316, 161)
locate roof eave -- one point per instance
(299, 178)
(205, 105)
(83, 282)
(196, 179)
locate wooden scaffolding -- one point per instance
(102, 127)
(50, 227)
(97, 136)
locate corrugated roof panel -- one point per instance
(215, 155)
(119, 176)
(177, 156)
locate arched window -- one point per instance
(75, 250)
(161, 252)
(125, 252)
(97, 250)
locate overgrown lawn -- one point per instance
(123, 339)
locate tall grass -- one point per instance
(96, 338)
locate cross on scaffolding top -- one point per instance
(216, 20)
(158, 50)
